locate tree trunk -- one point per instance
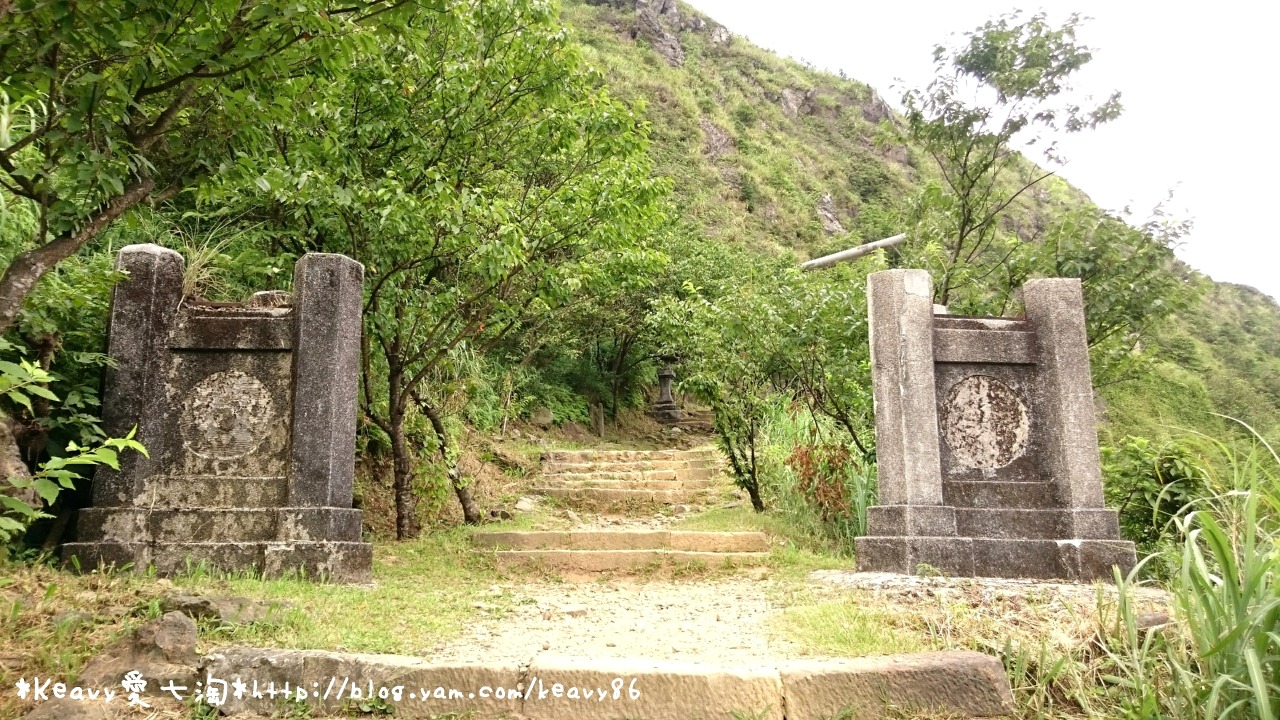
(402, 472)
(754, 488)
(401, 459)
(26, 269)
(470, 511)
(12, 466)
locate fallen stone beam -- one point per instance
(852, 253)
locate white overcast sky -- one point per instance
(1198, 84)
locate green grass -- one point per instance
(848, 628)
(424, 593)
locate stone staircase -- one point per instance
(622, 549)
(626, 480)
(624, 486)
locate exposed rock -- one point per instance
(827, 214)
(162, 650)
(526, 504)
(72, 619)
(66, 709)
(876, 109)
(226, 610)
(719, 34)
(573, 517)
(652, 17)
(542, 417)
(573, 430)
(797, 102)
(718, 142)
(791, 102)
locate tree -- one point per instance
(105, 105)
(1015, 72)
(484, 180)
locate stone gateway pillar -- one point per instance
(986, 439)
(248, 414)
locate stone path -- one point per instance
(719, 621)
(627, 485)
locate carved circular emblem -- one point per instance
(227, 415)
(984, 422)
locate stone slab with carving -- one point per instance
(986, 439)
(248, 416)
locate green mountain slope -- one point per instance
(782, 158)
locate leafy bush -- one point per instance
(1151, 485)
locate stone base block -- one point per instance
(335, 561)
(1037, 524)
(1080, 560)
(911, 520)
(666, 413)
(218, 525)
(904, 555)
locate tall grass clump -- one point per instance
(815, 478)
(1219, 657)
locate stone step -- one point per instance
(202, 525)
(589, 456)
(634, 484)
(605, 560)
(1037, 524)
(645, 475)
(1000, 495)
(337, 561)
(630, 465)
(956, 684)
(161, 492)
(596, 497)
(687, 540)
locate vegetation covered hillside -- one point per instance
(784, 159)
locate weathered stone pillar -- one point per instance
(143, 308)
(1064, 394)
(664, 386)
(900, 306)
(665, 410)
(327, 299)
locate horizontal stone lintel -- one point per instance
(233, 332)
(998, 347)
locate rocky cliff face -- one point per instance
(659, 23)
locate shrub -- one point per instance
(1151, 484)
(1220, 658)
